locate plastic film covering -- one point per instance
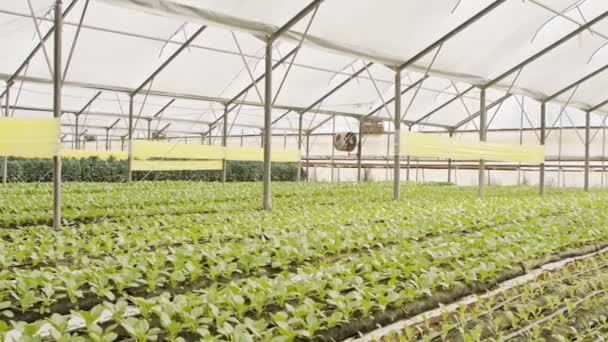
(102, 155)
(374, 31)
(175, 165)
(29, 138)
(427, 145)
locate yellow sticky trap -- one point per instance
(29, 138)
(285, 156)
(430, 145)
(257, 154)
(176, 165)
(149, 149)
(244, 154)
(101, 155)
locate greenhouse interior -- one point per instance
(303, 170)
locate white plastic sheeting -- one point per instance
(123, 41)
(391, 32)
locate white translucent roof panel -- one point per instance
(334, 26)
(497, 42)
(394, 31)
(121, 46)
(590, 92)
(19, 34)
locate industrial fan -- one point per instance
(345, 142)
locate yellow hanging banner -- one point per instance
(176, 165)
(84, 154)
(29, 138)
(257, 154)
(430, 145)
(150, 149)
(286, 156)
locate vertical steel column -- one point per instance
(407, 168)
(57, 77)
(521, 137)
(559, 154)
(77, 132)
(333, 150)
(397, 140)
(5, 158)
(450, 163)
(587, 143)
(359, 152)
(149, 129)
(261, 138)
(107, 139)
(603, 153)
(387, 169)
(482, 137)
(267, 126)
(225, 142)
(299, 171)
(307, 156)
(543, 113)
(130, 141)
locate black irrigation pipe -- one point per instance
(90, 299)
(63, 306)
(544, 319)
(510, 299)
(189, 336)
(466, 229)
(76, 219)
(352, 329)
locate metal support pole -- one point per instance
(407, 169)
(521, 136)
(450, 163)
(541, 181)
(267, 126)
(299, 171)
(149, 129)
(397, 147)
(57, 77)
(587, 143)
(107, 139)
(5, 158)
(333, 150)
(307, 156)
(482, 137)
(130, 141)
(225, 142)
(559, 154)
(76, 132)
(359, 150)
(603, 154)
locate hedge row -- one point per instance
(95, 170)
